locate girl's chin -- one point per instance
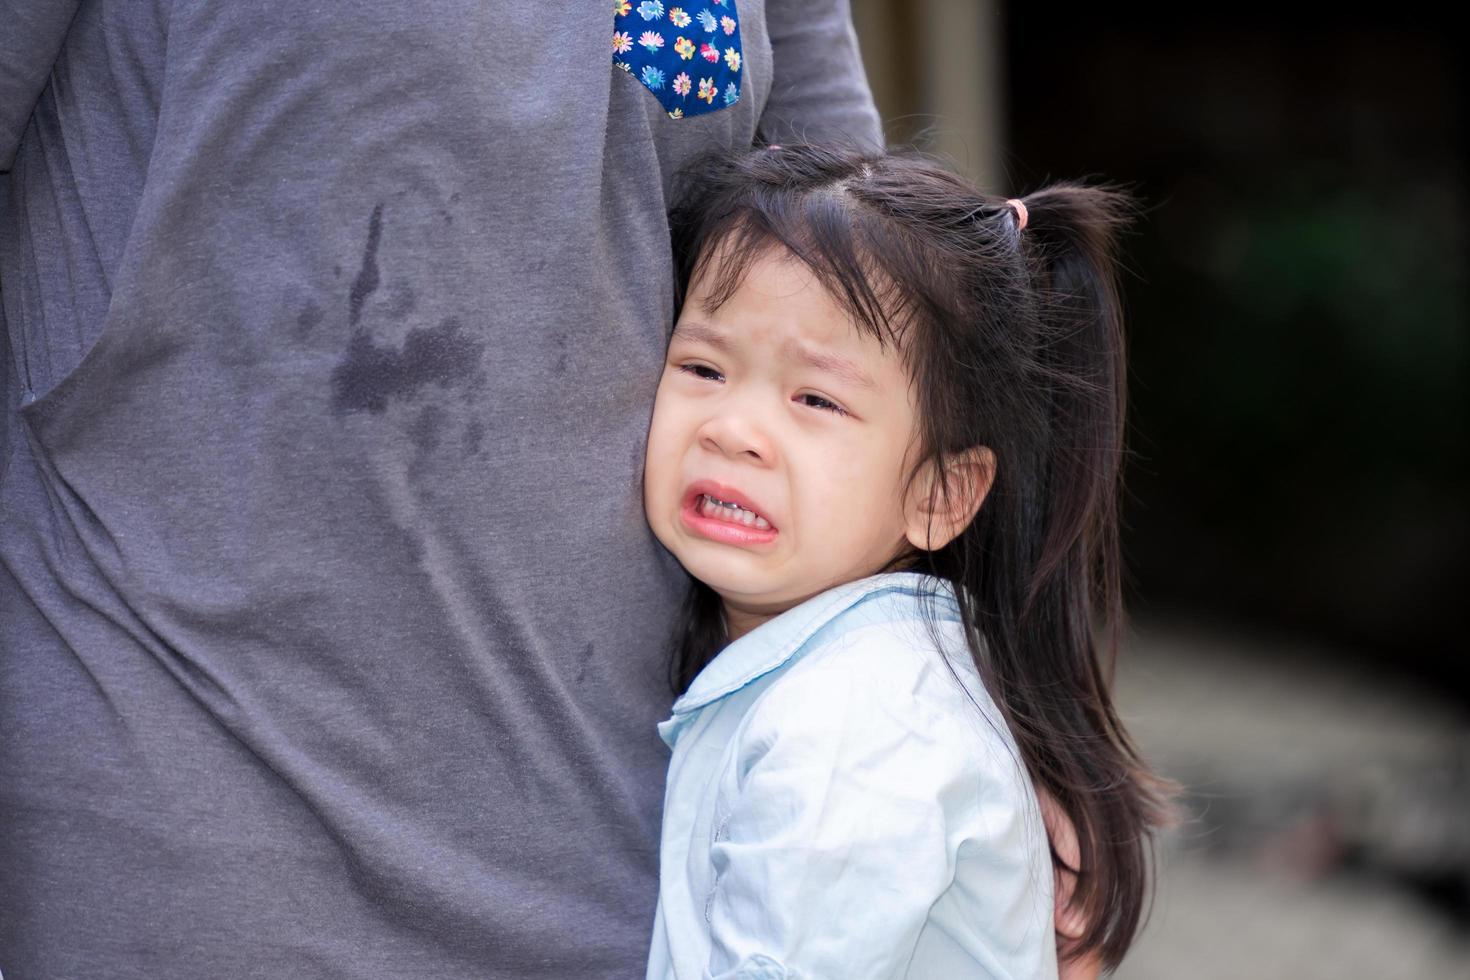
(740, 590)
(746, 600)
(744, 580)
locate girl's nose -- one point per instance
(736, 436)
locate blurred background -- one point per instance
(1298, 518)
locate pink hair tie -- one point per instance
(1019, 206)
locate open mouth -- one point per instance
(722, 513)
(727, 510)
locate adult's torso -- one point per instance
(330, 631)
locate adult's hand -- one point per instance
(1070, 922)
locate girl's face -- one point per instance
(781, 444)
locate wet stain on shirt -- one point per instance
(366, 282)
(310, 317)
(584, 659)
(401, 299)
(474, 437)
(424, 433)
(559, 342)
(371, 375)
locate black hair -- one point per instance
(1009, 323)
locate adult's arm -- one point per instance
(33, 35)
(819, 90)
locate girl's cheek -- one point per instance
(855, 456)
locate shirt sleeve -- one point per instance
(854, 800)
(819, 90)
(29, 44)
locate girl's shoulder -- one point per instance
(897, 677)
(906, 644)
(910, 658)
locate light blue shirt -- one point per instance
(845, 803)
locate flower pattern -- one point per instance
(657, 65)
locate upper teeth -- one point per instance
(726, 511)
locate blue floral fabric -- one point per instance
(688, 55)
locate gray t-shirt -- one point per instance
(332, 640)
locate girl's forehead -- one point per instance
(774, 310)
(846, 291)
(728, 265)
(774, 293)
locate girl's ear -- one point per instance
(936, 510)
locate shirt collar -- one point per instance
(778, 640)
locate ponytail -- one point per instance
(1052, 662)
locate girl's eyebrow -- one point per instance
(828, 363)
(701, 333)
(840, 367)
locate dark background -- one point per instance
(1298, 309)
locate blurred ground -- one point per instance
(1329, 813)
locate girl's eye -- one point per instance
(702, 371)
(817, 401)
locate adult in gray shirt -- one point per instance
(331, 636)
